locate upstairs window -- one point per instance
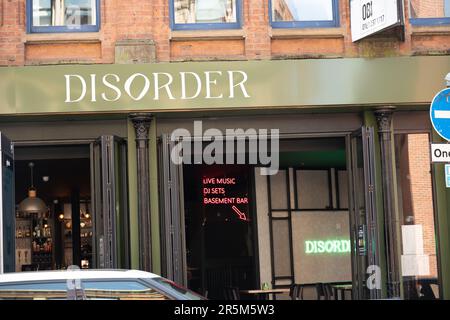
(304, 13)
(205, 14)
(429, 12)
(63, 15)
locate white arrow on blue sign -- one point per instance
(440, 113)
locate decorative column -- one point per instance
(141, 123)
(391, 223)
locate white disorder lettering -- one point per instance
(158, 85)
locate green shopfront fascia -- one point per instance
(365, 107)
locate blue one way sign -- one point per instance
(440, 113)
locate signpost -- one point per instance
(371, 16)
(440, 119)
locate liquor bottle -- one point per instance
(20, 233)
(27, 232)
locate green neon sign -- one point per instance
(327, 246)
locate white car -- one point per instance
(91, 285)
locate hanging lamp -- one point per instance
(32, 204)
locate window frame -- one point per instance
(309, 23)
(438, 21)
(205, 26)
(60, 29)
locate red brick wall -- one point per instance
(421, 195)
(133, 19)
(427, 8)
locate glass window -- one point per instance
(120, 290)
(62, 15)
(205, 14)
(172, 286)
(414, 188)
(33, 290)
(304, 13)
(429, 12)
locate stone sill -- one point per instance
(50, 62)
(430, 30)
(209, 59)
(207, 35)
(320, 33)
(53, 38)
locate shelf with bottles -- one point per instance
(23, 231)
(42, 252)
(42, 246)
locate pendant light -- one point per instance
(32, 204)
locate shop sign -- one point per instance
(327, 246)
(220, 85)
(369, 17)
(440, 152)
(180, 85)
(222, 191)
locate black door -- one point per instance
(363, 221)
(110, 202)
(7, 216)
(172, 214)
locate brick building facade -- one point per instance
(150, 20)
(322, 91)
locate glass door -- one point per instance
(365, 248)
(110, 202)
(7, 210)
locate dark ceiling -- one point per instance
(64, 175)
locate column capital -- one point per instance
(141, 123)
(384, 118)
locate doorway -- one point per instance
(219, 226)
(321, 226)
(60, 234)
(304, 234)
(72, 205)
(325, 181)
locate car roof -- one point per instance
(75, 274)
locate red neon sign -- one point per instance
(241, 215)
(215, 192)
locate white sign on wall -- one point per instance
(371, 16)
(415, 265)
(412, 239)
(440, 152)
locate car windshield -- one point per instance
(188, 294)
